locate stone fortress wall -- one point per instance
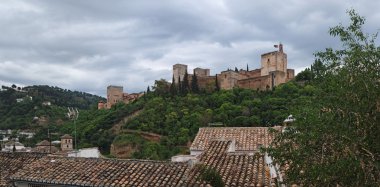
(273, 72)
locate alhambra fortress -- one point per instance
(273, 72)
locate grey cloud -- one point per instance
(87, 45)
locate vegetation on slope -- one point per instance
(178, 117)
(21, 114)
(336, 138)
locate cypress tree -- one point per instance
(217, 88)
(173, 89)
(194, 84)
(180, 89)
(236, 70)
(247, 68)
(185, 83)
(148, 90)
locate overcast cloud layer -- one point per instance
(87, 45)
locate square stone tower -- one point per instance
(179, 71)
(66, 143)
(114, 95)
(200, 72)
(274, 61)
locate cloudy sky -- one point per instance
(88, 44)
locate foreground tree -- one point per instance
(336, 138)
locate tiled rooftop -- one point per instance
(230, 151)
(235, 169)
(44, 143)
(10, 163)
(66, 136)
(247, 138)
(102, 172)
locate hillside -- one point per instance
(22, 108)
(177, 118)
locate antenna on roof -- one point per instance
(73, 114)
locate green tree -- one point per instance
(161, 87)
(185, 84)
(217, 88)
(305, 75)
(194, 84)
(335, 140)
(148, 90)
(173, 88)
(210, 175)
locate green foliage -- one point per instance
(178, 118)
(19, 115)
(194, 84)
(185, 84)
(161, 87)
(335, 140)
(305, 75)
(210, 175)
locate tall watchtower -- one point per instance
(274, 65)
(66, 143)
(114, 95)
(274, 61)
(179, 71)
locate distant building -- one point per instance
(85, 153)
(272, 73)
(8, 147)
(45, 147)
(27, 134)
(46, 103)
(66, 143)
(115, 94)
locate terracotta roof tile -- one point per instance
(102, 172)
(44, 143)
(235, 169)
(241, 168)
(247, 138)
(66, 136)
(10, 163)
